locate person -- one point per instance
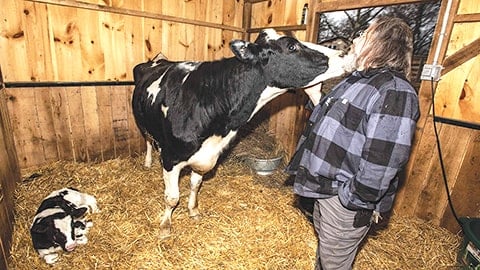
(357, 141)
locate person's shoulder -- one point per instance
(401, 83)
(381, 78)
(389, 79)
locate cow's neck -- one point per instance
(249, 97)
(268, 94)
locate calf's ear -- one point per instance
(39, 228)
(244, 51)
(79, 212)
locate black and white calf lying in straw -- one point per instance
(192, 110)
(61, 224)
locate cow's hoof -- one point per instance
(194, 213)
(51, 258)
(164, 234)
(165, 229)
(196, 217)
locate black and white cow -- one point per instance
(192, 110)
(60, 223)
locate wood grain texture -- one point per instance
(9, 176)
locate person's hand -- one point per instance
(314, 93)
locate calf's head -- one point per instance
(288, 62)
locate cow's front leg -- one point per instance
(148, 154)
(172, 195)
(195, 182)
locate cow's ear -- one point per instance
(262, 37)
(39, 228)
(79, 212)
(244, 51)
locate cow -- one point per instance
(192, 110)
(60, 223)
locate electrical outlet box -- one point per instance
(431, 72)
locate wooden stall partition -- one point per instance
(424, 193)
(456, 95)
(9, 175)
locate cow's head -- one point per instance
(288, 62)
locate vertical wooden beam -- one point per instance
(424, 143)
(9, 176)
(313, 20)
(246, 22)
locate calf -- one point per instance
(192, 110)
(60, 223)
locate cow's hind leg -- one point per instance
(172, 196)
(195, 182)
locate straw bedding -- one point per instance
(248, 221)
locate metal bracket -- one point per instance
(431, 72)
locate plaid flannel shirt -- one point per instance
(357, 141)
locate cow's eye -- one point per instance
(292, 47)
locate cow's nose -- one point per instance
(70, 246)
(323, 60)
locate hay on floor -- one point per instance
(239, 228)
(255, 140)
(409, 243)
(249, 222)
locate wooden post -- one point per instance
(9, 175)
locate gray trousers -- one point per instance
(338, 240)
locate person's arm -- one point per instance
(314, 93)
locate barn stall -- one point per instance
(66, 120)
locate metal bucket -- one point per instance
(265, 166)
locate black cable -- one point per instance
(66, 84)
(441, 159)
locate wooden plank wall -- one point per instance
(67, 41)
(9, 175)
(70, 41)
(457, 95)
(72, 123)
(423, 194)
